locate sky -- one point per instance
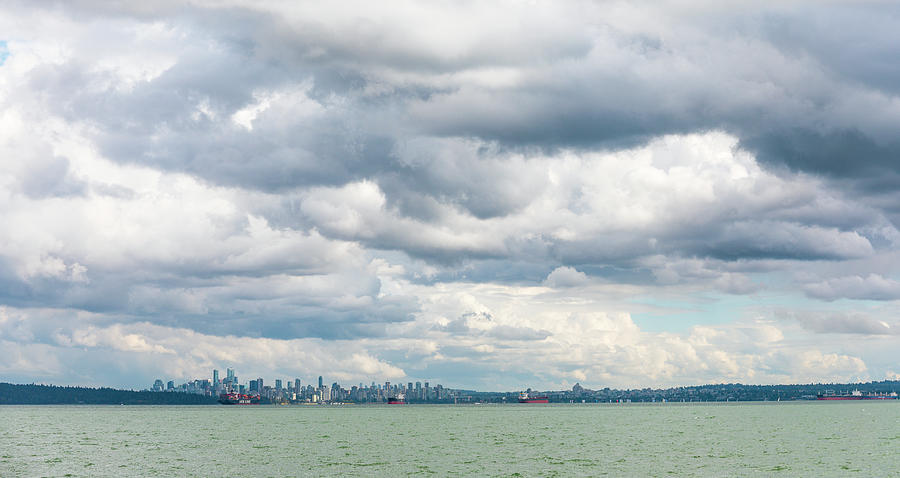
(486, 195)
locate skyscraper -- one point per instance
(215, 377)
(320, 381)
(277, 384)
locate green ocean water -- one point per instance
(735, 439)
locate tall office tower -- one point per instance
(170, 385)
(320, 381)
(336, 394)
(259, 384)
(215, 377)
(409, 388)
(277, 384)
(253, 386)
(419, 390)
(297, 386)
(427, 391)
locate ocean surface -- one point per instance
(721, 439)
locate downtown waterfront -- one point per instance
(691, 439)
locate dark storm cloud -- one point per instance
(846, 154)
(452, 122)
(181, 120)
(217, 309)
(781, 80)
(798, 89)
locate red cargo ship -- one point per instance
(238, 399)
(525, 397)
(857, 395)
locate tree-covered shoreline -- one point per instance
(32, 394)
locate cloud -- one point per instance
(329, 105)
(449, 191)
(58, 349)
(846, 323)
(566, 277)
(870, 287)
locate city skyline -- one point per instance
(492, 195)
(293, 391)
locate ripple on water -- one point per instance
(787, 439)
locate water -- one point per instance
(747, 439)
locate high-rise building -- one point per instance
(259, 384)
(215, 377)
(297, 386)
(170, 385)
(409, 388)
(157, 385)
(320, 381)
(277, 384)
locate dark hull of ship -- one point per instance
(856, 397)
(230, 400)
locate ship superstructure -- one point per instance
(398, 399)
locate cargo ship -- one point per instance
(398, 399)
(856, 395)
(238, 399)
(526, 397)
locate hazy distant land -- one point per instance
(32, 394)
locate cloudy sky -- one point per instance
(489, 195)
